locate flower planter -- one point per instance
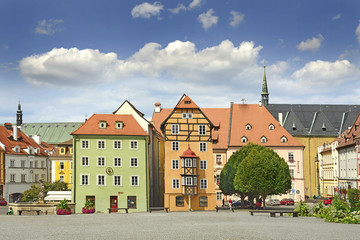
(61, 211)
(88, 210)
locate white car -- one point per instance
(273, 202)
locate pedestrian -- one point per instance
(10, 212)
(230, 202)
(223, 202)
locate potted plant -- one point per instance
(88, 207)
(63, 208)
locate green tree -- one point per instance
(262, 172)
(32, 194)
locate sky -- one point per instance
(66, 60)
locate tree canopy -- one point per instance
(32, 194)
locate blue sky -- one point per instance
(68, 59)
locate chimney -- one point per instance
(281, 118)
(15, 133)
(157, 107)
(37, 139)
(260, 103)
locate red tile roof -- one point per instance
(350, 136)
(130, 126)
(188, 154)
(186, 102)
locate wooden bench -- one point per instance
(273, 212)
(126, 209)
(30, 210)
(224, 208)
(158, 209)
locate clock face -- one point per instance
(109, 171)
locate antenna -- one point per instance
(243, 100)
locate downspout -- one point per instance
(74, 169)
(229, 133)
(147, 172)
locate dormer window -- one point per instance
(187, 102)
(244, 139)
(119, 125)
(71, 150)
(283, 139)
(17, 149)
(187, 115)
(271, 127)
(102, 124)
(248, 127)
(38, 150)
(263, 139)
(62, 150)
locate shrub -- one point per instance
(354, 199)
(303, 209)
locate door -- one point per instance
(114, 203)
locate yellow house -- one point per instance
(189, 172)
(2, 171)
(61, 160)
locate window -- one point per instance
(12, 177)
(36, 164)
(71, 165)
(91, 199)
(175, 164)
(62, 150)
(203, 183)
(248, 127)
(263, 139)
(188, 181)
(101, 144)
(101, 161)
(203, 164)
(188, 162)
(43, 176)
(176, 183)
(292, 172)
(117, 180)
(102, 124)
(12, 163)
(174, 128)
(31, 164)
(61, 178)
(244, 139)
(101, 180)
(23, 177)
(117, 162)
(202, 147)
(283, 139)
(291, 158)
(133, 162)
(134, 181)
(202, 129)
(218, 159)
(203, 201)
(271, 127)
(71, 150)
(219, 196)
(85, 161)
(117, 144)
(179, 201)
(36, 178)
(119, 125)
(85, 144)
(22, 163)
(131, 200)
(84, 179)
(175, 146)
(133, 144)
(187, 115)
(61, 166)
(42, 164)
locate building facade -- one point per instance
(2, 171)
(61, 163)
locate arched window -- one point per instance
(271, 127)
(263, 139)
(244, 139)
(283, 139)
(248, 127)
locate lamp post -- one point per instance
(317, 174)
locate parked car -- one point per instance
(287, 201)
(3, 202)
(327, 201)
(239, 204)
(273, 202)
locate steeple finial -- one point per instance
(19, 115)
(264, 92)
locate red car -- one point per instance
(287, 201)
(327, 201)
(3, 202)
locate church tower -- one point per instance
(19, 115)
(264, 92)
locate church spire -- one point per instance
(19, 115)
(264, 92)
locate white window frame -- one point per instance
(248, 127)
(244, 139)
(263, 139)
(117, 159)
(12, 163)
(202, 146)
(203, 183)
(174, 146)
(12, 177)
(137, 180)
(115, 144)
(136, 160)
(175, 164)
(134, 147)
(87, 179)
(114, 180)
(174, 128)
(61, 165)
(61, 178)
(271, 126)
(98, 178)
(103, 161)
(82, 161)
(85, 144)
(188, 162)
(176, 183)
(188, 181)
(219, 196)
(101, 144)
(203, 164)
(202, 129)
(284, 139)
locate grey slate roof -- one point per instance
(315, 119)
(52, 133)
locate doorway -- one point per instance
(114, 203)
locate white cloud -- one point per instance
(194, 4)
(357, 32)
(338, 16)
(311, 44)
(236, 18)
(179, 7)
(207, 19)
(146, 10)
(48, 27)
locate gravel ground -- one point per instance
(174, 225)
